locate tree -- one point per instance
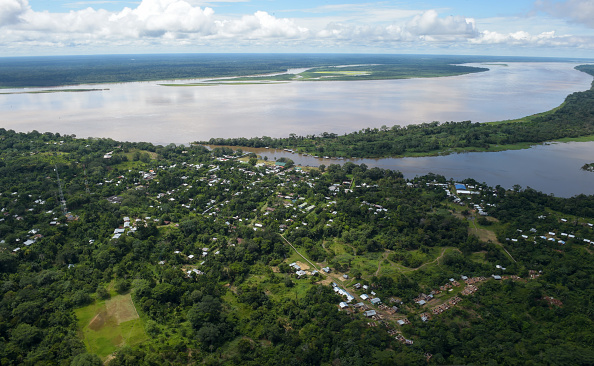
(122, 286)
(102, 293)
(208, 334)
(25, 335)
(86, 359)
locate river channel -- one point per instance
(148, 111)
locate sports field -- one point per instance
(107, 325)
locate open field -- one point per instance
(107, 325)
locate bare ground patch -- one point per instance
(303, 266)
(121, 308)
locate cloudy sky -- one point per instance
(504, 27)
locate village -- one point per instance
(242, 198)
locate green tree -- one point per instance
(86, 359)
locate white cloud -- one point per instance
(425, 27)
(544, 39)
(157, 24)
(11, 11)
(261, 25)
(581, 11)
(429, 24)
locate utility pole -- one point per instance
(62, 200)
(86, 181)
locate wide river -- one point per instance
(147, 111)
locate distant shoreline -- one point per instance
(51, 72)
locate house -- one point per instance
(343, 305)
(369, 313)
(346, 277)
(496, 277)
(400, 322)
(376, 301)
(365, 296)
(326, 269)
(300, 273)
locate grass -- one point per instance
(107, 325)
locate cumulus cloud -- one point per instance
(12, 10)
(426, 27)
(544, 39)
(581, 11)
(150, 22)
(154, 24)
(429, 24)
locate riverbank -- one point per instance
(573, 120)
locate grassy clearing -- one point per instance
(107, 325)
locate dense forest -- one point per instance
(574, 118)
(135, 254)
(51, 71)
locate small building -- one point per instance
(369, 313)
(343, 305)
(365, 296)
(376, 301)
(496, 277)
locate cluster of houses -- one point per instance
(32, 237)
(374, 207)
(298, 271)
(344, 293)
(550, 236)
(446, 306)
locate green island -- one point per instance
(47, 91)
(573, 120)
(349, 73)
(53, 71)
(124, 253)
(588, 167)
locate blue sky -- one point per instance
(520, 27)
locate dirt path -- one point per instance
(491, 237)
(443, 250)
(302, 256)
(379, 263)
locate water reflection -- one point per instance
(140, 111)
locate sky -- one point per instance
(548, 28)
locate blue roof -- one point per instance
(460, 186)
